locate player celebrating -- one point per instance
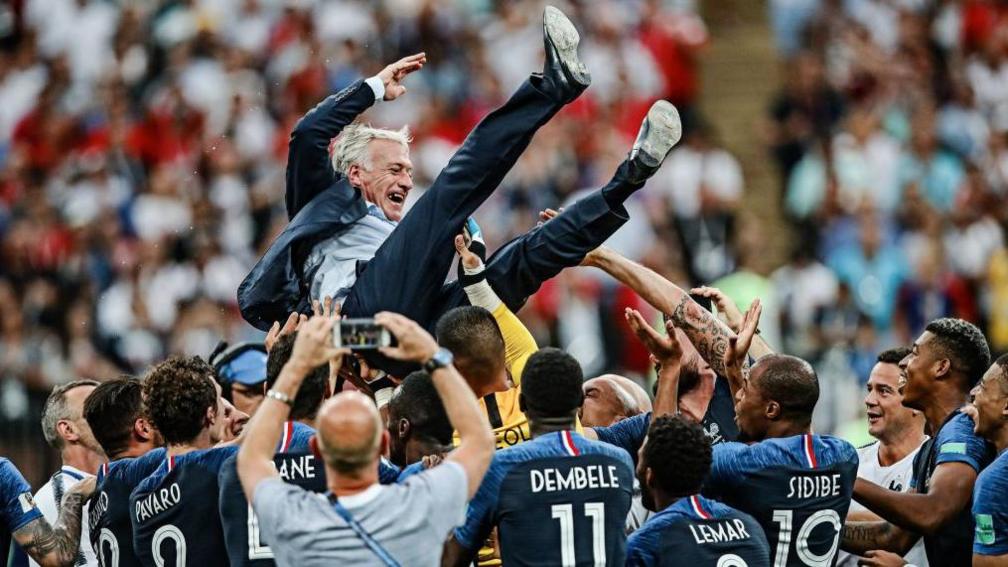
(49, 546)
(796, 484)
(946, 362)
(114, 410)
(989, 410)
(558, 499)
(688, 529)
(174, 510)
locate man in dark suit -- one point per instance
(348, 237)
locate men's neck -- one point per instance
(341, 484)
(943, 403)
(198, 444)
(892, 451)
(417, 449)
(782, 429)
(133, 451)
(695, 402)
(1000, 438)
(663, 500)
(81, 458)
(545, 426)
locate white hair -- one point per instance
(352, 144)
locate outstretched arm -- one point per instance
(57, 545)
(709, 335)
(860, 538)
(950, 492)
(732, 317)
(309, 171)
(667, 353)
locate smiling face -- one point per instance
(751, 407)
(989, 408)
(919, 370)
(386, 177)
(888, 418)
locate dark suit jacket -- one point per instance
(320, 204)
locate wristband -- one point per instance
(383, 397)
(280, 397)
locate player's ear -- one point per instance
(354, 175)
(941, 367)
(67, 430)
(142, 429)
(773, 410)
(403, 428)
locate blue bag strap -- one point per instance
(363, 534)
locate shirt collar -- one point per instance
(363, 497)
(375, 211)
(74, 473)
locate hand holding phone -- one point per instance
(360, 334)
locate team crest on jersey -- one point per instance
(985, 529)
(27, 502)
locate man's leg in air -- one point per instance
(410, 267)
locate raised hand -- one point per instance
(393, 75)
(738, 346)
(415, 344)
(276, 331)
(665, 349)
(725, 306)
(470, 260)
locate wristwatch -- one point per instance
(443, 357)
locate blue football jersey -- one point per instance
(174, 512)
(109, 514)
(559, 499)
(296, 464)
(955, 443)
(798, 489)
(698, 532)
(19, 508)
(990, 509)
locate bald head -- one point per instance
(610, 398)
(349, 432)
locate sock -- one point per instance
(624, 184)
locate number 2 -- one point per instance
(785, 519)
(565, 513)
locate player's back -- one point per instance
(798, 489)
(559, 499)
(699, 532)
(296, 464)
(109, 516)
(174, 511)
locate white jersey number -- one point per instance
(785, 518)
(565, 513)
(169, 531)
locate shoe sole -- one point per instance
(565, 38)
(664, 130)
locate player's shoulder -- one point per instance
(994, 479)
(10, 476)
(834, 449)
(212, 458)
(959, 425)
(133, 469)
(592, 447)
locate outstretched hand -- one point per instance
(294, 321)
(738, 346)
(725, 306)
(664, 348)
(393, 75)
(469, 260)
(314, 345)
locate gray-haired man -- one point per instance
(348, 237)
(66, 430)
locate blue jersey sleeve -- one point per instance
(16, 497)
(641, 549)
(388, 473)
(300, 440)
(957, 443)
(483, 506)
(214, 458)
(727, 467)
(990, 509)
(628, 434)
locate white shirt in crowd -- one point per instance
(48, 504)
(894, 477)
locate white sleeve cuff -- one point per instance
(377, 87)
(482, 295)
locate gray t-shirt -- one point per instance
(410, 520)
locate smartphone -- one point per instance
(361, 334)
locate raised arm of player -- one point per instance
(476, 439)
(309, 171)
(708, 334)
(57, 545)
(667, 352)
(313, 347)
(732, 317)
(738, 347)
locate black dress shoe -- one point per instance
(659, 132)
(564, 73)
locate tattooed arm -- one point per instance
(58, 545)
(708, 334)
(861, 537)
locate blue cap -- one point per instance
(248, 368)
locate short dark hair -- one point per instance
(177, 394)
(1002, 362)
(679, 454)
(792, 383)
(964, 345)
(472, 335)
(111, 410)
(551, 383)
(893, 355)
(417, 400)
(313, 390)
